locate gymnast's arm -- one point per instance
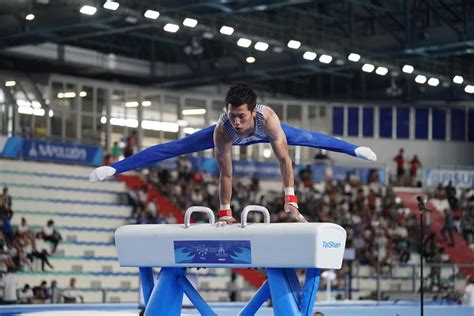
(280, 147)
(223, 148)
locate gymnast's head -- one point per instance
(240, 102)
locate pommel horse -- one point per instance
(280, 248)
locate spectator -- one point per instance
(107, 159)
(23, 229)
(322, 156)
(115, 152)
(25, 295)
(468, 298)
(51, 234)
(400, 161)
(52, 293)
(7, 202)
(37, 249)
(451, 195)
(9, 287)
(131, 144)
(40, 293)
(71, 294)
(415, 164)
(448, 227)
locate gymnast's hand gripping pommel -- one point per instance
(203, 140)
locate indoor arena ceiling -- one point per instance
(436, 37)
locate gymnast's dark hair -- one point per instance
(239, 94)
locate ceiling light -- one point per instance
(382, 71)
(70, 94)
(10, 83)
(368, 68)
(294, 44)
(261, 46)
(111, 5)
(151, 14)
(310, 55)
(89, 10)
(30, 17)
(433, 82)
(226, 30)
(250, 59)
(469, 89)
(172, 28)
(190, 22)
(146, 103)
(194, 112)
(83, 94)
(353, 57)
(325, 59)
(131, 104)
(408, 69)
(420, 79)
(458, 79)
(244, 42)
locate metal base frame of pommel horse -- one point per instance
(282, 286)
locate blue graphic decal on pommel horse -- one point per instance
(280, 248)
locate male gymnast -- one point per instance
(244, 123)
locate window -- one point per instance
(368, 122)
(385, 122)
(458, 124)
(338, 120)
(403, 122)
(421, 123)
(439, 124)
(353, 118)
(470, 119)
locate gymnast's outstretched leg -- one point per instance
(300, 137)
(203, 140)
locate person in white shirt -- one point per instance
(51, 234)
(468, 298)
(71, 294)
(25, 295)
(9, 287)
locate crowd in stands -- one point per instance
(22, 249)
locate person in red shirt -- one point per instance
(400, 160)
(414, 165)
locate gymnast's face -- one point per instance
(241, 118)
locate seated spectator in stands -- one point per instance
(467, 227)
(25, 295)
(19, 256)
(322, 156)
(7, 202)
(9, 287)
(5, 257)
(40, 293)
(107, 159)
(51, 234)
(23, 229)
(38, 249)
(468, 297)
(71, 294)
(52, 293)
(305, 176)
